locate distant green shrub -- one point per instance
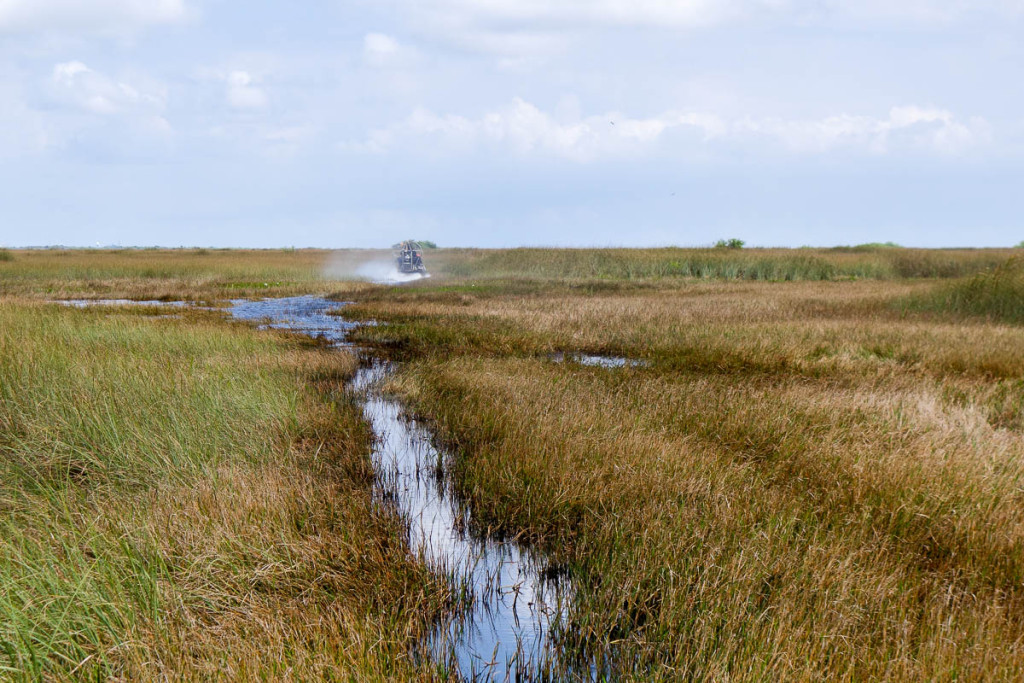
(997, 294)
(868, 247)
(6, 255)
(1021, 245)
(731, 243)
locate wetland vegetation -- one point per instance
(813, 470)
(183, 498)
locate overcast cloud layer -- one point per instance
(511, 122)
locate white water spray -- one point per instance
(386, 272)
(372, 267)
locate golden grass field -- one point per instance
(816, 473)
(807, 480)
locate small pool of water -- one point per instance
(597, 361)
(308, 315)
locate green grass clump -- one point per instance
(6, 255)
(869, 246)
(997, 295)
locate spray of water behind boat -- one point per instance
(385, 272)
(405, 264)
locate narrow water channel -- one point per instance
(516, 597)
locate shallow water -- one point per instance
(597, 361)
(514, 601)
(305, 314)
(516, 595)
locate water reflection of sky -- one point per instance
(306, 314)
(504, 632)
(514, 604)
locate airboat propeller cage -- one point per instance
(409, 257)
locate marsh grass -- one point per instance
(997, 294)
(806, 479)
(217, 274)
(830, 331)
(184, 498)
(166, 274)
(6, 255)
(728, 264)
(802, 483)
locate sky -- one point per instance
(497, 123)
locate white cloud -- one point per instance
(923, 128)
(88, 15)
(242, 93)
(909, 11)
(76, 85)
(580, 12)
(382, 50)
(93, 113)
(379, 45)
(523, 129)
(524, 28)
(695, 13)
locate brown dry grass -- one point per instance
(173, 274)
(804, 482)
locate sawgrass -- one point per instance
(997, 294)
(827, 330)
(193, 274)
(729, 264)
(184, 498)
(803, 482)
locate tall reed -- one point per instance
(997, 294)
